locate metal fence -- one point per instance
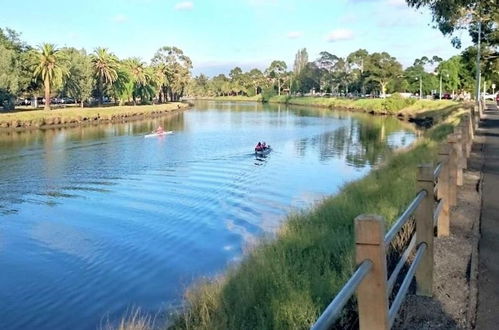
(430, 209)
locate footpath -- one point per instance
(488, 267)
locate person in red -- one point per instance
(259, 147)
(159, 130)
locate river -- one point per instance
(96, 220)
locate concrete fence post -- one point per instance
(372, 294)
(425, 230)
(453, 169)
(443, 191)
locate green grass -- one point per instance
(37, 118)
(382, 106)
(286, 282)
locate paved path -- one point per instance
(488, 268)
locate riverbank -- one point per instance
(423, 112)
(405, 107)
(34, 119)
(286, 281)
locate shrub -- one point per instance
(396, 103)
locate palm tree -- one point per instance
(138, 73)
(106, 69)
(49, 68)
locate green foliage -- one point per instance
(393, 104)
(396, 103)
(15, 75)
(80, 80)
(50, 68)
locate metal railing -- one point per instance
(334, 309)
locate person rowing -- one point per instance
(159, 130)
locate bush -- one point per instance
(396, 103)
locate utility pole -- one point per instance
(421, 87)
(440, 95)
(478, 73)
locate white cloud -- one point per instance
(119, 18)
(295, 34)
(185, 5)
(397, 3)
(340, 34)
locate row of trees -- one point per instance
(363, 73)
(70, 72)
(360, 72)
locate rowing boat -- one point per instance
(158, 134)
(263, 152)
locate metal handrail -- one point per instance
(438, 210)
(333, 310)
(390, 235)
(396, 271)
(438, 169)
(397, 302)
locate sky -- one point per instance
(221, 34)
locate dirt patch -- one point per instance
(454, 300)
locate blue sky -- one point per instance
(220, 34)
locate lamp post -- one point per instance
(420, 78)
(478, 73)
(447, 75)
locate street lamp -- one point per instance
(447, 75)
(420, 78)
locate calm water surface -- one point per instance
(94, 220)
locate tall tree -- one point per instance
(15, 70)
(176, 69)
(358, 61)
(301, 60)
(453, 15)
(275, 71)
(138, 75)
(383, 68)
(49, 68)
(106, 69)
(80, 81)
(326, 64)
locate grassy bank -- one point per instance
(256, 98)
(76, 116)
(392, 105)
(286, 282)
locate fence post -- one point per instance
(471, 136)
(459, 152)
(372, 294)
(473, 120)
(443, 191)
(464, 145)
(452, 142)
(425, 230)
